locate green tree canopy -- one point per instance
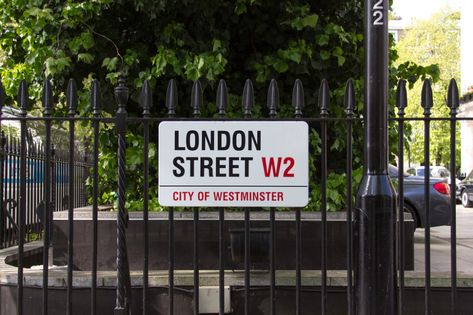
(433, 43)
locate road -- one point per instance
(441, 246)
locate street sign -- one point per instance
(233, 163)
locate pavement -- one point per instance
(441, 245)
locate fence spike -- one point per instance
(273, 98)
(349, 97)
(121, 95)
(401, 96)
(248, 98)
(47, 97)
(23, 98)
(71, 97)
(324, 97)
(222, 97)
(95, 97)
(453, 100)
(298, 101)
(146, 98)
(171, 98)
(196, 98)
(427, 99)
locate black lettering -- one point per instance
(241, 145)
(221, 134)
(176, 141)
(192, 145)
(256, 141)
(208, 140)
(233, 166)
(179, 171)
(206, 164)
(192, 164)
(247, 165)
(219, 166)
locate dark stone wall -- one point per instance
(208, 243)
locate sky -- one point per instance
(422, 9)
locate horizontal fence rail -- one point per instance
(39, 178)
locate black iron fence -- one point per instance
(12, 191)
(25, 160)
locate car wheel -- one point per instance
(465, 201)
(415, 218)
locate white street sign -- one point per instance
(233, 163)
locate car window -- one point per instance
(470, 176)
(420, 172)
(411, 171)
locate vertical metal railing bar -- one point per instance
(2, 175)
(453, 103)
(3, 142)
(29, 188)
(401, 103)
(47, 104)
(298, 103)
(65, 191)
(171, 104)
(71, 100)
(146, 103)
(23, 103)
(13, 204)
(6, 157)
(8, 171)
(247, 104)
(33, 175)
(349, 108)
(323, 104)
(221, 103)
(123, 272)
(427, 103)
(12, 231)
(272, 104)
(95, 102)
(196, 104)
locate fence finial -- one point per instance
(248, 98)
(71, 97)
(95, 98)
(349, 98)
(298, 101)
(427, 99)
(324, 97)
(121, 95)
(146, 98)
(171, 98)
(401, 97)
(47, 97)
(196, 98)
(273, 98)
(453, 100)
(222, 97)
(23, 98)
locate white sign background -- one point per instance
(279, 140)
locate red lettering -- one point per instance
(289, 160)
(271, 167)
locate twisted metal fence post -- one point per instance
(123, 273)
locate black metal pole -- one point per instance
(376, 202)
(123, 275)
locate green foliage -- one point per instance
(190, 40)
(434, 45)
